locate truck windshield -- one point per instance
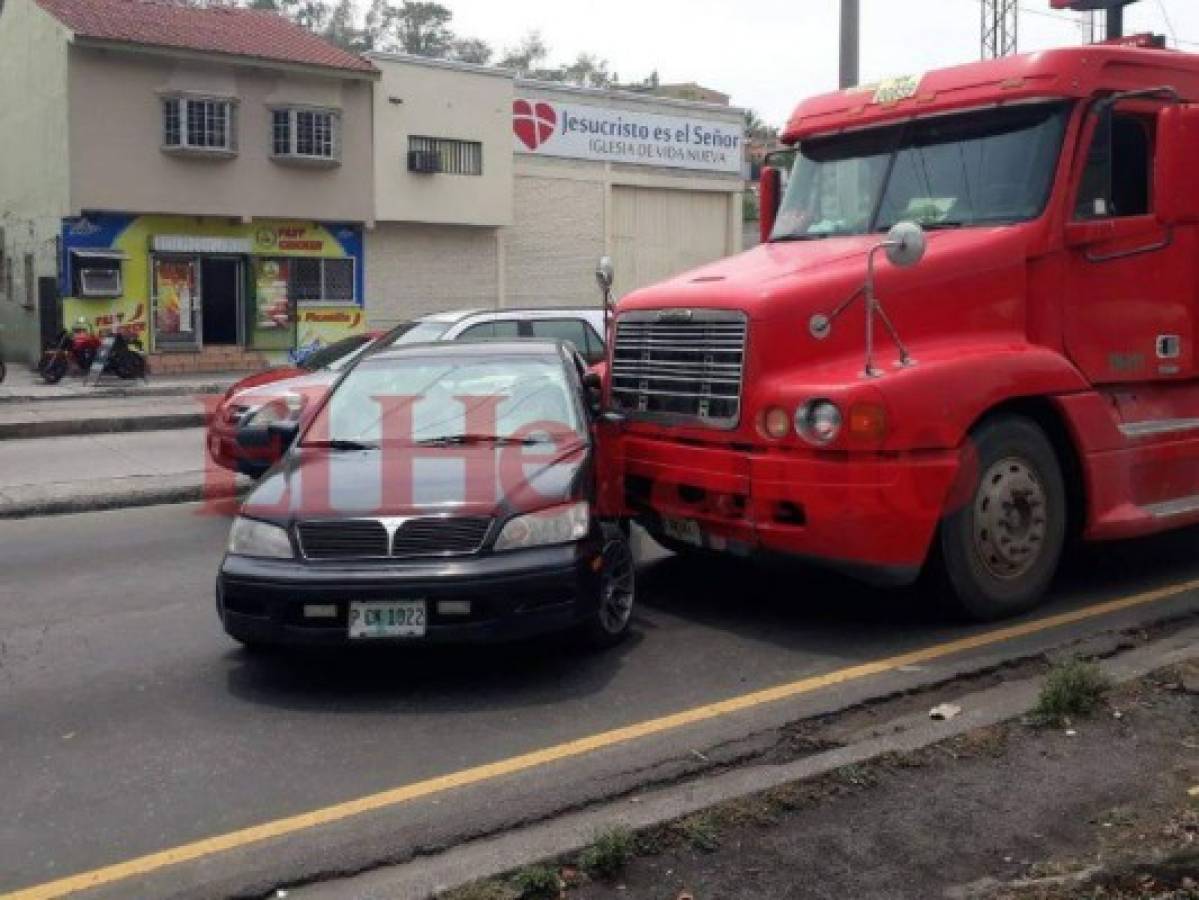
(979, 168)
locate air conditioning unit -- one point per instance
(424, 162)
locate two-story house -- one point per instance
(198, 176)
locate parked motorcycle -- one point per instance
(75, 348)
(78, 348)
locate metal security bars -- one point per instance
(198, 124)
(457, 157)
(305, 134)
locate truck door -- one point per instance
(1130, 288)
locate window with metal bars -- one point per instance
(198, 124)
(457, 157)
(312, 279)
(305, 134)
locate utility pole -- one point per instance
(1000, 28)
(1114, 8)
(850, 37)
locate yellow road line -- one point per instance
(152, 862)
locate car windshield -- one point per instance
(500, 398)
(335, 353)
(977, 168)
(418, 333)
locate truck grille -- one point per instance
(680, 364)
(392, 538)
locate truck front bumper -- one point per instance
(873, 515)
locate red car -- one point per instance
(268, 394)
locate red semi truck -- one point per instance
(831, 395)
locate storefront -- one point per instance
(189, 283)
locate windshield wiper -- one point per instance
(457, 440)
(338, 444)
(808, 236)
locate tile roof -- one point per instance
(259, 34)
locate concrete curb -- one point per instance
(114, 493)
(166, 390)
(35, 428)
(563, 835)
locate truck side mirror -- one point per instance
(593, 389)
(1175, 175)
(770, 189)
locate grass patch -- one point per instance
(700, 832)
(482, 890)
(609, 853)
(537, 883)
(1073, 689)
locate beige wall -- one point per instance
(555, 239)
(116, 137)
(33, 161)
(414, 269)
(442, 100)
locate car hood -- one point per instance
(304, 383)
(314, 483)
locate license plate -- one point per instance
(685, 530)
(388, 618)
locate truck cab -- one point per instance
(1031, 378)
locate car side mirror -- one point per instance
(1175, 175)
(770, 190)
(593, 387)
(285, 430)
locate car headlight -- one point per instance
(818, 422)
(249, 537)
(557, 525)
(282, 410)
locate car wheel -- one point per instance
(609, 624)
(997, 554)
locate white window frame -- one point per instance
(293, 136)
(105, 291)
(184, 144)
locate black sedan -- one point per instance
(442, 492)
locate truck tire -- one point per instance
(997, 553)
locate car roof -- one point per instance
(518, 347)
(527, 312)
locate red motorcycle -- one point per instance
(75, 348)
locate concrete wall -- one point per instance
(419, 268)
(116, 138)
(33, 162)
(434, 99)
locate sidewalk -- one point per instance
(47, 476)
(22, 385)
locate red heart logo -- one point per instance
(533, 123)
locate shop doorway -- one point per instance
(221, 290)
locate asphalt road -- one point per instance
(129, 724)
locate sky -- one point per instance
(769, 54)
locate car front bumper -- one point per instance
(512, 595)
(872, 515)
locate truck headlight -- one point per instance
(818, 422)
(557, 525)
(250, 537)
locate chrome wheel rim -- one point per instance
(616, 586)
(1010, 518)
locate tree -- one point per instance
(526, 57)
(341, 31)
(374, 26)
(756, 128)
(586, 71)
(421, 28)
(471, 50)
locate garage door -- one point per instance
(660, 232)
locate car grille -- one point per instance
(425, 537)
(680, 364)
(343, 539)
(392, 538)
